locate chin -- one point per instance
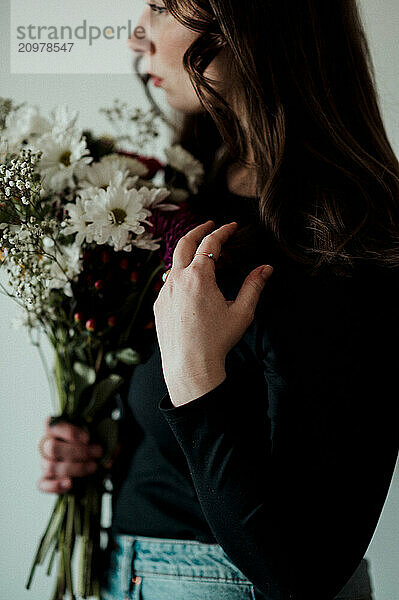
(184, 107)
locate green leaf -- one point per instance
(84, 377)
(111, 360)
(102, 392)
(107, 431)
(128, 356)
(85, 372)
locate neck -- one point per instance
(241, 180)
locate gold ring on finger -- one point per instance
(40, 446)
(209, 254)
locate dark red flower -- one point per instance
(171, 226)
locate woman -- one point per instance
(260, 437)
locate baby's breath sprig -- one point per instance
(135, 126)
(20, 186)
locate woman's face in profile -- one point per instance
(163, 41)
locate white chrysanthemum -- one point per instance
(63, 152)
(22, 126)
(62, 118)
(183, 161)
(146, 241)
(68, 264)
(152, 198)
(77, 221)
(102, 174)
(115, 213)
(121, 162)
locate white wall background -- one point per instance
(25, 399)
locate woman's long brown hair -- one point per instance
(302, 78)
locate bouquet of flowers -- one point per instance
(83, 241)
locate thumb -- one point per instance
(251, 289)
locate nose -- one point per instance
(140, 41)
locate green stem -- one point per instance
(61, 564)
(51, 561)
(52, 526)
(68, 543)
(58, 372)
(127, 331)
(85, 556)
(46, 370)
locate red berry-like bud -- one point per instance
(86, 255)
(134, 276)
(150, 325)
(124, 264)
(90, 324)
(89, 279)
(111, 321)
(78, 317)
(99, 284)
(105, 257)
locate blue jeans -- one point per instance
(149, 568)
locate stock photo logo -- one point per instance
(84, 37)
(64, 33)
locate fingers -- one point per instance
(53, 469)
(213, 242)
(55, 449)
(54, 486)
(188, 243)
(248, 296)
(195, 240)
(67, 432)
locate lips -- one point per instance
(155, 76)
(155, 79)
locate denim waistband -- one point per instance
(143, 555)
(137, 555)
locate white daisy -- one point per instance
(77, 221)
(115, 213)
(152, 198)
(146, 241)
(62, 153)
(67, 265)
(183, 161)
(24, 125)
(62, 118)
(121, 162)
(102, 174)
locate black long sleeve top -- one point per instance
(287, 463)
